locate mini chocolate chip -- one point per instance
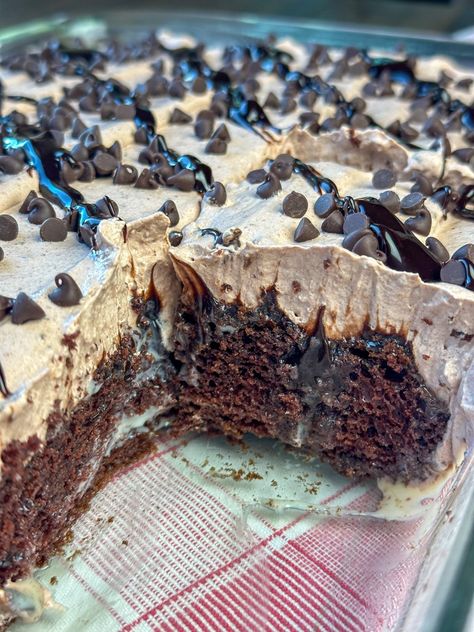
(6, 305)
(384, 179)
(434, 127)
(411, 203)
(256, 176)
(367, 246)
(269, 187)
(125, 112)
(115, 150)
(282, 166)
(287, 105)
(272, 102)
(325, 205)
(216, 195)
(465, 154)
(222, 133)
(25, 309)
(333, 223)
(67, 292)
(9, 165)
(32, 195)
(104, 164)
(453, 272)
(359, 121)
(216, 146)
(170, 210)
(178, 117)
(183, 180)
(438, 249)
(175, 237)
(146, 180)
(176, 89)
(422, 185)
(307, 119)
(88, 171)
(295, 204)
(125, 174)
(330, 124)
(407, 132)
(108, 110)
(8, 228)
(305, 231)
(53, 229)
(353, 237)
(78, 127)
(88, 103)
(141, 136)
(308, 99)
(91, 138)
(465, 252)
(107, 207)
(70, 172)
(203, 128)
(421, 223)
(390, 200)
(199, 85)
(79, 152)
(354, 222)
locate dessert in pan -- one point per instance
(268, 238)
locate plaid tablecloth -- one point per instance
(205, 535)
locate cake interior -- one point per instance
(357, 403)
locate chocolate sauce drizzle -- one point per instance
(403, 250)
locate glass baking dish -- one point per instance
(266, 488)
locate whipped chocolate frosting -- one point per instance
(240, 242)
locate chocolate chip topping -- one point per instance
(295, 204)
(438, 249)
(26, 202)
(411, 203)
(203, 128)
(355, 222)
(282, 166)
(176, 89)
(199, 85)
(325, 205)
(10, 165)
(183, 180)
(367, 246)
(216, 195)
(170, 210)
(78, 127)
(125, 174)
(146, 180)
(39, 210)
(422, 185)
(421, 223)
(104, 163)
(465, 252)
(222, 133)
(216, 146)
(454, 272)
(256, 176)
(67, 292)
(115, 150)
(175, 237)
(305, 231)
(384, 179)
(88, 172)
(178, 117)
(465, 154)
(53, 229)
(269, 187)
(8, 228)
(333, 223)
(25, 309)
(390, 200)
(6, 305)
(272, 102)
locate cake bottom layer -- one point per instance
(358, 403)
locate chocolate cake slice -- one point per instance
(271, 239)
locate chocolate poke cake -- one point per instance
(266, 238)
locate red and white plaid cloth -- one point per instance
(176, 543)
